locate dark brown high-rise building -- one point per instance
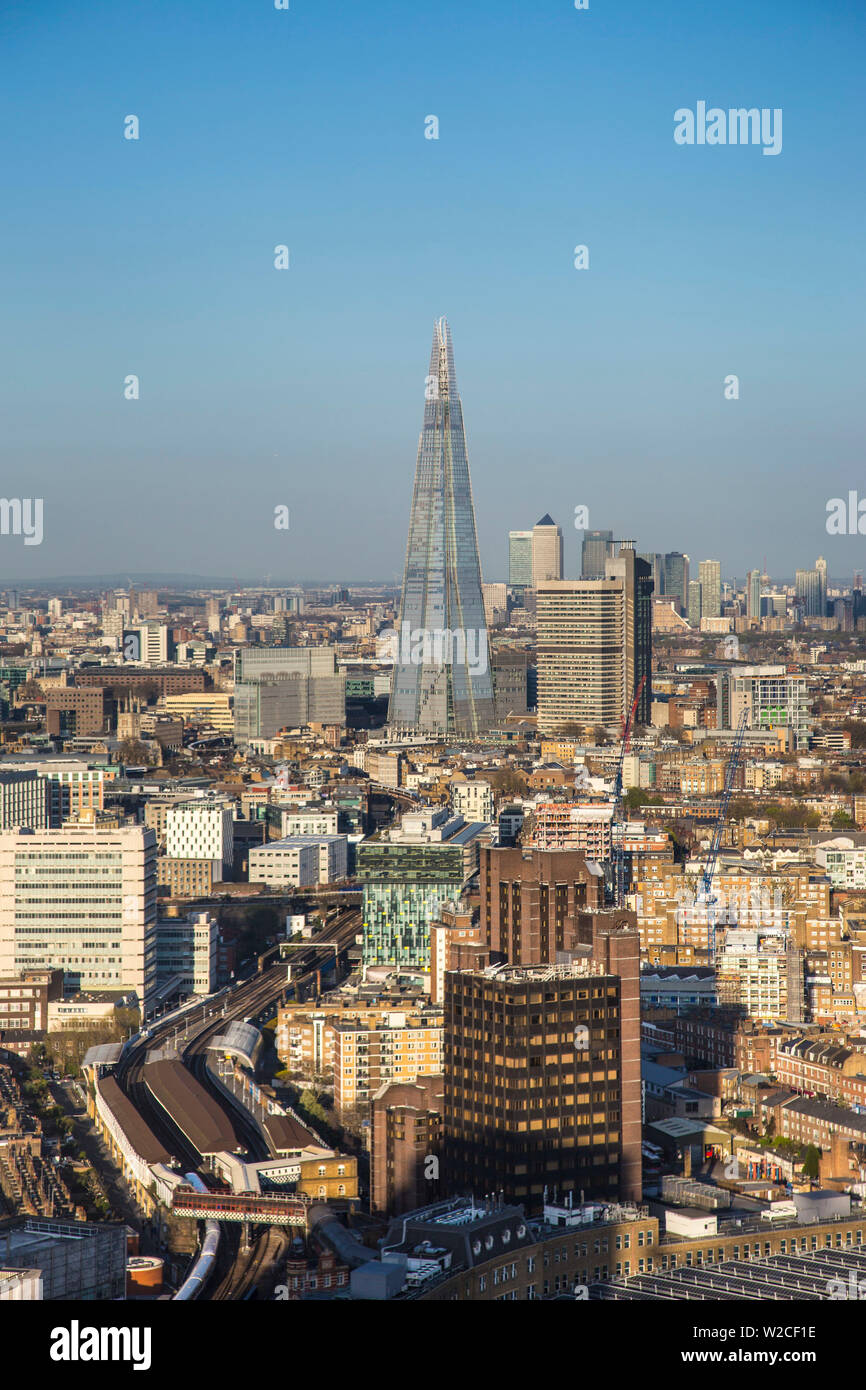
(405, 1145)
(530, 898)
(542, 1070)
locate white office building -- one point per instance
(202, 829)
(84, 901)
(153, 638)
(300, 860)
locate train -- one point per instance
(207, 1256)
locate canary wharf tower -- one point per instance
(442, 683)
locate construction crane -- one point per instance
(705, 890)
(617, 851)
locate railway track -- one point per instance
(200, 1025)
(253, 1267)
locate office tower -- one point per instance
(808, 588)
(596, 549)
(677, 579)
(595, 646)
(821, 568)
(154, 644)
(710, 577)
(83, 901)
(693, 611)
(656, 562)
(285, 688)
(441, 682)
(542, 1076)
(520, 560)
(546, 551)
(407, 874)
(530, 900)
(753, 595)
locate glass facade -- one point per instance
(596, 550)
(448, 689)
(520, 559)
(404, 889)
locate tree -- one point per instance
(811, 1161)
(635, 797)
(133, 751)
(841, 820)
(508, 782)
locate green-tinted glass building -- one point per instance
(407, 876)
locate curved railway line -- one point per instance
(194, 1033)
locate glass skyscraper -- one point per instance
(677, 579)
(519, 559)
(442, 681)
(597, 548)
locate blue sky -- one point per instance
(601, 387)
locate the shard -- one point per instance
(442, 681)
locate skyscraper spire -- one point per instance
(442, 681)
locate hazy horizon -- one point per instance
(303, 388)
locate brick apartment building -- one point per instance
(118, 681)
(529, 899)
(405, 1145)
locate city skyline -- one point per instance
(601, 387)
